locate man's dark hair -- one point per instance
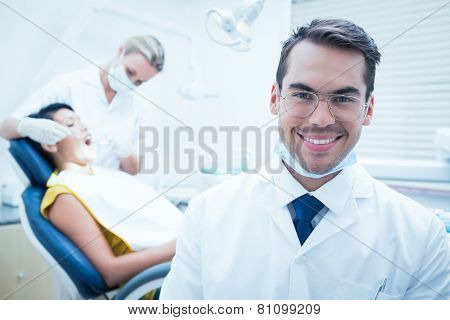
(46, 113)
(334, 33)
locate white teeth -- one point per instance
(323, 141)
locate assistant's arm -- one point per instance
(184, 280)
(8, 128)
(432, 280)
(54, 91)
(130, 164)
(72, 218)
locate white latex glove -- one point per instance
(42, 130)
(123, 147)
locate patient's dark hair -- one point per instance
(46, 113)
(334, 33)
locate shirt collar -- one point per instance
(92, 77)
(351, 182)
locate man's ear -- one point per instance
(51, 148)
(369, 111)
(274, 99)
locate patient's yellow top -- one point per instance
(132, 215)
(118, 246)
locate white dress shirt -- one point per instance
(238, 241)
(83, 91)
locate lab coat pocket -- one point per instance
(348, 290)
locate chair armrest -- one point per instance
(144, 282)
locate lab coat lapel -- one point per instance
(332, 224)
(283, 221)
(283, 191)
(340, 197)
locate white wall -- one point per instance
(30, 56)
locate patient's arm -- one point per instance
(72, 218)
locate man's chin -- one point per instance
(319, 171)
(319, 168)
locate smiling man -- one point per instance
(322, 101)
(321, 227)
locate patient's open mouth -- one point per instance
(88, 140)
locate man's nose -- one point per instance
(321, 116)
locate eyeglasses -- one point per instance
(303, 103)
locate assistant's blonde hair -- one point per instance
(149, 47)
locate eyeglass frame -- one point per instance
(362, 107)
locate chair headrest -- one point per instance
(36, 168)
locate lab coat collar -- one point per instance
(351, 182)
(93, 78)
(338, 195)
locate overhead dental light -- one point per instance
(232, 28)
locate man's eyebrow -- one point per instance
(345, 90)
(302, 86)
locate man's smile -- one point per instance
(319, 142)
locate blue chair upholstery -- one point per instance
(83, 274)
(31, 162)
(158, 272)
(86, 278)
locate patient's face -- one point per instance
(75, 148)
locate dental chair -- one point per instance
(76, 277)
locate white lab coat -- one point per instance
(83, 91)
(238, 241)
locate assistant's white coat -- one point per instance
(83, 91)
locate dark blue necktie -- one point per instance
(306, 207)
